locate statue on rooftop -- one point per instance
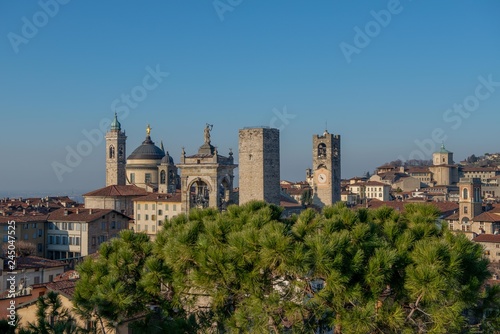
(208, 128)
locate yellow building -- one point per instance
(151, 211)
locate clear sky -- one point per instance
(385, 75)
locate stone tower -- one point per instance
(470, 201)
(443, 169)
(206, 177)
(115, 154)
(259, 163)
(326, 169)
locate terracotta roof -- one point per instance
(29, 262)
(478, 169)
(417, 170)
(487, 217)
(446, 208)
(288, 203)
(157, 197)
(83, 215)
(67, 275)
(24, 219)
(375, 183)
(66, 287)
(487, 238)
(115, 190)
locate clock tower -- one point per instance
(325, 176)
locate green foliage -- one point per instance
(51, 317)
(245, 270)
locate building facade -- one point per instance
(151, 212)
(76, 232)
(207, 177)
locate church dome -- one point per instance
(167, 159)
(148, 150)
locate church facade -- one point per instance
(148, 166)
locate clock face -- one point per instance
(322, 178)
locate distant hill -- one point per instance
(486, 160)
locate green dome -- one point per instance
(443, 150)
(115, 125)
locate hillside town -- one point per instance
(147, 188)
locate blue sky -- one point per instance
(236, 63)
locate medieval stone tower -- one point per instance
(206, 177)
(115, 154)
(259, 163)
(326, 169)
(470, 201)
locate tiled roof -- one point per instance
(446, 208)
(478, 169)
(83, 215)
(374, 183)
(115, 190)
(417, 170)
(24, 219)
(30, 262)
(287, 202)
(157, 197)
(487, 238)
(487, 217)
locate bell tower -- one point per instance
(470, 203)
(115, 154)
(325, 177)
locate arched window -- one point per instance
(322, 150)
(111, 152)
(465, 194)
(162, 177)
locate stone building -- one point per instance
(259, 165)
(77, 232)
(325, 174)
(114, 197)
(115, 154)
(207, 177)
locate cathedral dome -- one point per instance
(167, 159)
(148, 150)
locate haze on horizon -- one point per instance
(393, 78)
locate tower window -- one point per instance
(120, 152)
(162, 177)
(147, 178)
(322, 150)
(465, 194)
(111, 152)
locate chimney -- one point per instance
(90, 211)
(77, 211)
(65, 212)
